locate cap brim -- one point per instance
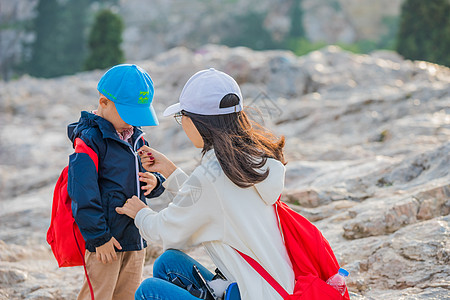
(137, 116)
(171, 110)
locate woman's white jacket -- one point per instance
(209, 209)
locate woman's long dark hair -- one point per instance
(241, 145)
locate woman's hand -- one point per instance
(150, 181)
(131, 207)
(154, 161)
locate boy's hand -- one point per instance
(154, 161)
(131, 207)
(150, 181)
(106, 252)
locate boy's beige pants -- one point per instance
(117, 280)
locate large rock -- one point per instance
(367, 145)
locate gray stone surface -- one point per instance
(367, 144)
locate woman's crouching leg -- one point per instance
(174, 263)
(156, 288)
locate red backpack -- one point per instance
(63, 235)
(311, 257)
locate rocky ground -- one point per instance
(368, 145)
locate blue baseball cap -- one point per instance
(131, 89)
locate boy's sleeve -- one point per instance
(159, 188)
(84, 191)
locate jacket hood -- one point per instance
(88, 120)
(270, 188)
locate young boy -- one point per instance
(114, 248)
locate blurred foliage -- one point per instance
(75, 24)
(248, 30)
(336, 5)
(65, 42)
(424, 32)
(11, 35)
(302, 46)
(60, 44)
(297, 30)
(46, 59)
(104, 41)
(389, 39)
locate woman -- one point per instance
(226, 204)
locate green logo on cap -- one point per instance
(104, 92)
(143, 99)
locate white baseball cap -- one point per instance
(203, 92)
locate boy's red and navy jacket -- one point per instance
(95, 195)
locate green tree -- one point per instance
(424, 32)
(59, 47)
(73, 28)
(296, 40)
(104, 41)
(297, 30)
(248, 30)
(46, 54)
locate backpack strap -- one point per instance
(91, 290)
(264, 274)
(260, 269)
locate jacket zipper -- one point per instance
(136, 160)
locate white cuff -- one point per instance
(140, 216)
